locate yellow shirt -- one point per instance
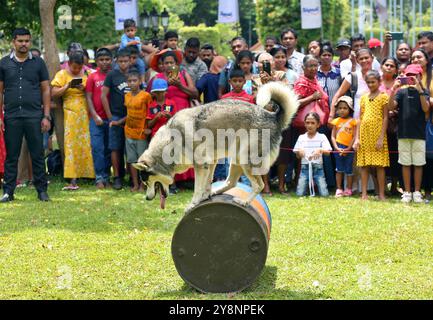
(136, 114)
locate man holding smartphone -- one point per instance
(349, 65)
(24, 85)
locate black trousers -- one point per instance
(15, 129)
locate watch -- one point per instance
(48, 117)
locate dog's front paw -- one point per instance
(189, 208)
(242, 202)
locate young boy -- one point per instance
(412, 102)
(237, 81)
(171, 39)
(160, 109)
(99, 126)
(115, 87)
(128, 38)
(137, 62)
(133, 43)
(137, 104)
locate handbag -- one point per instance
(298, 121)
(429, 138)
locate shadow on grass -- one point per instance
(262, 289)
(88, 210)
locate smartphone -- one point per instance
(174, 72)
(267, 67)
(407, 80)
(76, 82)
(397, 35)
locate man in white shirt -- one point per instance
(349, 65)
(289, 39)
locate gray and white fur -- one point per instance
(221, 114)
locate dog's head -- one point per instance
(155, 181)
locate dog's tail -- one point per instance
(284, 96)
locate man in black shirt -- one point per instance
(24, 84)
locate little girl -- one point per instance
(244, 62)
(371, 142)
(343, 137)
(310, 147)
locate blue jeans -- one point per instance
(100, 152)
(344, 164)
(318, 178)
(328, 166)
(222, 169)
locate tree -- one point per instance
(275, 15)
(46, 9)
(207, 12)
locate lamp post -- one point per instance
(152, 20)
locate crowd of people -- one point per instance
(365, 115)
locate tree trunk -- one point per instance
(46, 9)
(51, 57)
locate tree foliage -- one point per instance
(207, 12)
(275, 15)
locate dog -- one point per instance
(226, 115)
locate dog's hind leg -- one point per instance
(235, 173)
(256, 184)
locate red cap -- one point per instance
(413, 69)
(373, 43)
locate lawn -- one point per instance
(93, 244)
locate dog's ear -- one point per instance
(141, 166)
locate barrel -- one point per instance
(221, 246)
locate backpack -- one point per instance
(353, 87)
(54, 163)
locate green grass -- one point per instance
(115, 245)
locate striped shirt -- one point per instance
(330, 81)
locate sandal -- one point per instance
(269, 194)
(70, 188)
(283, 192)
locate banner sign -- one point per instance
(311, 14)
(228, 11)
(125, 9)
(382, 11)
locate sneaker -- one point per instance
(117, 183)
(417, 197)
(7, 198)
(406, 197)
(339, 193)
(100, 186)
(173, 190)
(347, 193)
(43, 196)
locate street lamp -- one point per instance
(144, 18)
(154, 20)
(151, 21)
(164, 19)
